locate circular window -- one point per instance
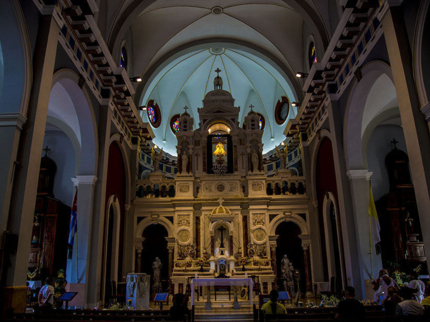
(153, 112)
(261, 122)
(312, 54)
(123, 59)
(281, 110)
(174, 123)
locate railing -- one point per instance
(148, 189)
(278, 186)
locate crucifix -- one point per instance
(46, 151)
(251, 107)
(217, 71)
(394, 143)
(221, 230)
(185, 108)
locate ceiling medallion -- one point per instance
(217, 50)
(217, 10)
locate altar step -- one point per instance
(224, 314)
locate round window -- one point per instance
(153, 112)
(174, 123)
(281, 110)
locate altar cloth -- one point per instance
(220, 282)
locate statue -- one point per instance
(218, 80)
(142, 285)
(255, 162)
(219, 151)
(156, 157)
(184, 162)
(282, 155)
(156, 267)
(287, 269)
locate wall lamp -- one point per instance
(301, 75)
(294, 104)
(136, 79)
(142, 108)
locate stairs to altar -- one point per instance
(218, 314)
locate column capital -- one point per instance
(12, 119)
(359, 174)
(273, 239)
(306, 241)
(84, 180)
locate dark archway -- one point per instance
(290, 243)
(155, 245)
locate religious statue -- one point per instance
(156, 157)
(287, 269)
(219, 150)
(255, 161)
(282, 155)
(142, 285)
(217, 80)
(156, 267)
(184, 162)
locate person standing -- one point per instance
(381, 286)
(46, 294)
(350, 307)
(418, 285)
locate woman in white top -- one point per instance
(384, 282)
(46, 293)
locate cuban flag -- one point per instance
(73, 224)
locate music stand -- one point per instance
(161, 298)
(66, 297)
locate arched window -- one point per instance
(153, 112)
(174, 123)
(123, 59)
(312, 54)
(281, 110)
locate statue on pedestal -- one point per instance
(156, 267)
(255, 161)
(156, 157)
(287, 269)
(282, 155)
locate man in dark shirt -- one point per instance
(350, 307)
(179, 309)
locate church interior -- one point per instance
(212, 147)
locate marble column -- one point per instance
(414, 126)
(307, 270)
(25, 169)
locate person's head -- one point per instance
(274, 295)
(391, 291)
(179, 298)
(414, 275)
(349, 292)
(49, 280)
(383, 272)
(407, 293)
(285, 255)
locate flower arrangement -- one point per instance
(401, 278)
(330, 301)
(242, 261)
(201, 261)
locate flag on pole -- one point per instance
(374, 221)
(73, 224)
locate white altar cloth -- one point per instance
(220, 282)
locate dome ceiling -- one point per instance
(187, 78)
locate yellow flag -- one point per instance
(374, 221)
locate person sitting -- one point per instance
(408, 306)
(273, 306)
(350, 307)
(391, 301)
(419, 285)
(46, 294)
(179, 309)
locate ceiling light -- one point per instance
(164, 141)
(272, 139)
(136, 79)
(294, 104)
(301, 75)
(282, 143)
(155, 146)
(142, 108)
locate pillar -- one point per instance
(25, 171)
(307, 263)
(212, 244)
(171, 249)
(231, 245)
(414, 125)
(272, 243)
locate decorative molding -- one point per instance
(84, 180)
(359, 174)
(12, 119)
(426, 111)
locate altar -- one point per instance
(235, 283)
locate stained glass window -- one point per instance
(123, 58)
(312, 54)
(151, 114)
(260, 123)
(176, 125)
(281, 111)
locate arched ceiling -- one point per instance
(185, 80)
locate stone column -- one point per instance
(212, 244)
(414, 125)
(273, 244)
(25, 171)
(138, 265)
(231, 245)
(307, 263)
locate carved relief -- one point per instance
(259, 234)
(257, 186)
(184, 188)
(184, 236)
(220, 187)
(207, 187)
(183, 221)
(233, 187)
(258, 220)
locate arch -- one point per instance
(319, 138)
(214, 225)
(331, 199)
(299, 221)
(87, 121)
(149, 221)
(352, 140)
(113, 203)
(418, 52)
(16, 52)
(123, 148)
